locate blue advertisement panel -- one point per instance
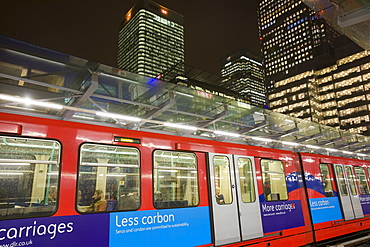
(365, 203)
(83, 230)
(166, 227)
(325, 209)
(315, 186)
(287, 213)
(293, 180)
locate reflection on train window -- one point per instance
(108, 179)
(326, 179)
(175, 179)
(341, 181)
(351, 180)
(363, 184)
(246, 180)
(29, 177)
(222, 179)
(273, 178)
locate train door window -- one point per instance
(273, 178)
(351, 180)
(326, 179)
(222, 179)
(363, 184)
(108, 179)
(341, 182)
(175, 179)
(29, 177)
(246, 180)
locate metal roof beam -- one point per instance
(332, 141)
(289, 132)
(85, 97)
(157, 111)
(310, 138)
(252, 128)
(216, 118)
(354, 16)
(38, 83)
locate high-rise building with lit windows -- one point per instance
(242, 73)
(151, 41)
(337, 95)
(311, 71)
(291, 35)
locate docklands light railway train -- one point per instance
(65, 183)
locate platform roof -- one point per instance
(44, 83)
(349, 17)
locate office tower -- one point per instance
(313, 72)
(291, 35)
(151, 41)
(339, 94)
(242, 72)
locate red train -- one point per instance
(73, 184)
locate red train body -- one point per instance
(269, 197)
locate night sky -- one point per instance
(89, 29)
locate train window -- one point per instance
(273, 178)
(108, 179)
(29, 177)
(363, 184)
(351, 180)
(246, 180)
(341, 182)
(175, 179)
(222, 179)
(326, 180)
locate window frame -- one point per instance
(331, 179)
(367, 189)
(271, 172)
(341, 181)
(139, 167)
(38, 204)
(253, 178)
(351, 180)
(173, 168)
(229, 182)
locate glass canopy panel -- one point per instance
(84, 89)
(350, 17)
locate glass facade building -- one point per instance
(336, 95)
(242, 72)
(151, 41)
(312, 71)
(291, 35)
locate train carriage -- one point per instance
(338, 193)
(65, 184)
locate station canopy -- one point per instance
(38, 82)
(349, 17)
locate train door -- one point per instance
(236, 212)
(348, 195)
(248, 200)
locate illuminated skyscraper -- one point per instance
(311, 71)
(291, 35)
(151, 41)
(242, 72)
(338, 95)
